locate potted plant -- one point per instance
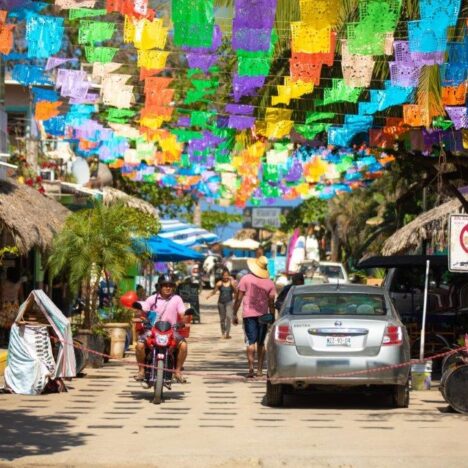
(116, 325)
(95, 243)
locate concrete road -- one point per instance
(220, 420)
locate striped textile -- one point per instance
(186, 234)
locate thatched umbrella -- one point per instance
(27, 218)
(430, 225)
(112, 195)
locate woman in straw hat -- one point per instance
(256, 292)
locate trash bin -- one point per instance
(421, 376)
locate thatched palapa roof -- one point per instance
(111, 195)
(28, 218)
(432, 224)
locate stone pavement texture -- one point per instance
(107, 419)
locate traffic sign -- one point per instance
(458, 246)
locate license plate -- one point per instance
(338, 341)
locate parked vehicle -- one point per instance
(161, 356)
(324, 272)
(211, 270)
(327, 330)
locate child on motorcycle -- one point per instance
(168, 306)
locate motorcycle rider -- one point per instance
(168, 307)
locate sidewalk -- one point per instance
(220, 420)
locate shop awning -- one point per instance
(165, 250)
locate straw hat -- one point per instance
(259, 267)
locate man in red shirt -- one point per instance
(256, 292)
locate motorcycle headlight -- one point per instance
(162, 340)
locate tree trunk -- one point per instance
(197, 213)
(335, 243)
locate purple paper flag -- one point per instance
(246, 85)
(459, 116)
(54, 62)
(251, 39)
(202, 61)
(254, 14)
(241, 109)
(241, 122)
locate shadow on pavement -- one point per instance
(141, 395)
(344, 400)
(23, 435)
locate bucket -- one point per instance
(421, 376)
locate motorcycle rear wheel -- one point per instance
(158, 383)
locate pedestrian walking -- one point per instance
(256, 292)
(227, 289)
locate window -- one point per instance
(331, 271)
(339, 304)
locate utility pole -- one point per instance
(3, 115)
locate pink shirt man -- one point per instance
(257, 292)
(168, 310)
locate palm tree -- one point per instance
(95, 242)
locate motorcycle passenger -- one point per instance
(168, 307)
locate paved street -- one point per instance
(106, 418)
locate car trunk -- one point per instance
(338, 335)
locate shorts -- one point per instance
(255, 332)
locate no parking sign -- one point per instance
(458, 247)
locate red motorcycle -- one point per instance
(161, 354)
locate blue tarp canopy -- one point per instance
(165, 250)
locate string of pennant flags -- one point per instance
(232, 104)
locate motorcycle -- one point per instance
(161, 354)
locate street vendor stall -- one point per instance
(40, 351)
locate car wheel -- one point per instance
(274, 394)
(400, 396)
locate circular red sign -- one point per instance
(463, 243)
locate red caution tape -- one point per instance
(284, 379)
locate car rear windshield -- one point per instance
(331, 271)
(338, 304)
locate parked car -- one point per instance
(333, 272)
(327, 330)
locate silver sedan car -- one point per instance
(332, 335)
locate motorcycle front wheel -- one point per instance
(158, 383)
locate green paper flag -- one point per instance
(77, 13)
(100, 54)
(91, 32)
(119, 115)
(315, 116)
(201, 118)
(193, 23)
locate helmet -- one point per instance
(166, 278)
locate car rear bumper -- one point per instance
(286, 366)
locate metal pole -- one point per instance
(423, 326)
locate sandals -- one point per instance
(139, 378)
(180, 379)
(259, 373)
(251, 374)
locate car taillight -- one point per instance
(393, 335)
(283, 334)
